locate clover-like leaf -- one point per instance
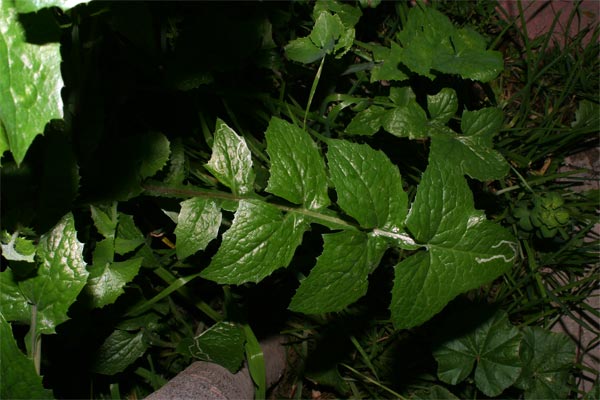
(462, 250)
(297, 168)
(341, 274)
(261, 239)
(231, 160)
(493, 346)
(119, 351)
(198, 224)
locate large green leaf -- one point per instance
(198, 224)
(547, 359)
(462, 249)
(223, 344)
(31, 84)
(17, 373)
(341, 274)
(60, 277)
(297, 168)
(231, 161)
(473, 150)
(261, 239)
(493, 346)
(119, 351)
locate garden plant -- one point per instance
(382, 183)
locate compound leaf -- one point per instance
(340, 276)
(297, 168)
(261, 239)
(463, 249)
(17, 373)
(494, 346)
(31, 84)
(231, 160)
(198, 224)
(118, 351)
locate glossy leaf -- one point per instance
(105, 219)
(407, 121)
(303, 50)
(17, 248)
(297, 168)
(348, 14)
(118, 351)
(547, 359)
(222, 343)
(366, 122)
(327, 29)
(13, 304)
(31, 84)
(443, 105)
(107, 280)
(231, 161)
(261, 239)
(462, 249)
(198, 224)
(17, 373)
(493, 346)
(341, 274)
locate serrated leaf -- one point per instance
(17, 373)
(106, 281)
(366, 122)
(261, 239)
(407, 121)
(198, 224)
(297, 168)
(60, 276)
(18, 249)
(443, 105)
(118, 351)
(303, 50)
(473, 151)
(388, 63)
(231, 160)
(27, 6)
(463, 249)
(105, 218)
(493, 346)
(547, 359)
(368, 185)
(31, 85)
(349, 15)
(326, 31)
(128, 237)
(222, 343)
(340, 276)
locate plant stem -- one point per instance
(36, 340)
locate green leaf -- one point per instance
(388, 61)
(60, 276)
(494, 346)
(222, 343)
(433, 392)
(297, 168)
(231, 161)
(463, 249)
(547, 359)
(303, 50)
(118, 351)
(17, 373)
(256, 362)
(327, 29)
(107, 280)
(198, 224)
(473, 150)
(18, 249)
(27, 6)
(340, 276)
(587, 115)
(407, 121)
(105, 218)
(366, 122)
(13, 304)
(31, 84)
(128, 236)
(368, 185)
(443, 105)
(349, 15)
(259, 241)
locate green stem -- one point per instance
(36, 340)
(313, 89)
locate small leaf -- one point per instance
(327, 29)
(303, 50)
(105, 219)
(366, 122)
(17, 373)
(341, 274)
(547, 359)
(349, 15)
(443, 105)
(259, 241)
(128, 236)
(368, 185)
(18, 249)
(407, 121)
(493, 346)
(463, 249)
(297, 168)
(60, 276)
(485, 122)
(118, 351)
(106, 281)
(222, 343)
(231, 161)
(32, 95)
(198, 224)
